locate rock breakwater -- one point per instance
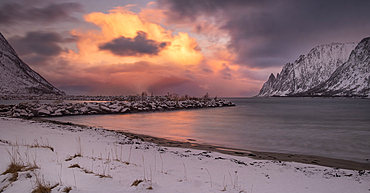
(150, 104)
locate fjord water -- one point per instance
(336, 128)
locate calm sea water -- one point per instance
(337, 128)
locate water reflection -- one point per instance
(175, 125)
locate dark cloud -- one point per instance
(270, 33)
(40, 43)
(140, 45)
(204, 67)
(36, 60)
(119, 68)
(207, 70)
(249, 92)
(38, 48)
(190, 10)
(76, 90)
(252, 75)
(225, 72)
(11, 13)
(166, 84)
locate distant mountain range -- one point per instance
(328, 70)
(336, 69)
(17, 78)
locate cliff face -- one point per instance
(330, 69)
(350, 79)
(17, 78)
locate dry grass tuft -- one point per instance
(79, 147)
(103, 175)
(41, 144)
(72, 157)
(67, 189)
(5, 141)
(14, 177)
(4, 187)
(42, 186)
(79, 150)
(209, 176)
(42, 189)
(16, 164)
(87, 171)
(136, 182)
(74, 166)
(14, 167)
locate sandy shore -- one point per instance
(85, 159)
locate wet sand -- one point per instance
(191, 143)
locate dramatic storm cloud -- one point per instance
(12, 13)
(162, 85)
(39, 42)
(270, 33)
(223, 47)
(127, 55)
(38, 47)
(140, 45)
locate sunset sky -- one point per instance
(123, 47)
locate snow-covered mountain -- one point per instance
(17, 78)
(330, 69)
(350, 79)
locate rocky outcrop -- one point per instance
(17, 78)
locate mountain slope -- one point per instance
(308, 71)
(17, 78)
(350, 79)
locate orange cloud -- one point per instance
(121, 22)
(96, 62)
(131, 53)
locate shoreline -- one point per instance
(285, 157)
(69, 157)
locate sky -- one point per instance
(125, 47)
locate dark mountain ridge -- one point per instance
(17, 78)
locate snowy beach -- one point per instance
(70, 158)
(169, 96)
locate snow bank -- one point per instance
(106, 161)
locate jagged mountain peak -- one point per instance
(5, 46)
(17, 78)
(362, 49)
(311, 70)
(272, 77)
(352, 78)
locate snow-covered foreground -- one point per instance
(105, 161)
